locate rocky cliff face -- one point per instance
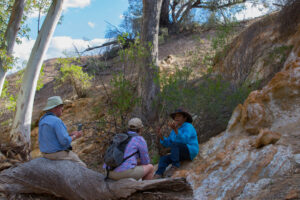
(259, 52)
(258, 156)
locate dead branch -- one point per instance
(100, 46)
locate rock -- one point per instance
(169, 59)
(88, 149)
(235, 117)
(266, 137)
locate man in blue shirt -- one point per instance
(54, 139)
(182, 141)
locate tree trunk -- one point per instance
(72, 181)
(20, 133)
(164, 15)
(2, 77)
(11, 35)
(148, 86)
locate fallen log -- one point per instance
(70, 180)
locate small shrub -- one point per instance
(73, 73)
(122, 99)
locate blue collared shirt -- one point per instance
(186, 135)
(53, 134)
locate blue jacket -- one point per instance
(186, 135)
(53, 134)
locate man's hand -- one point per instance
(76, 134)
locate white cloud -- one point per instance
(67, 4)
(76, 3)
(91, 24)
(58, 47)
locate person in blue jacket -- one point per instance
(182, 140)
(54, 139)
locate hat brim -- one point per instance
(189, 118)
(50, 107)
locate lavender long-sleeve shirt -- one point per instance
(136, 144)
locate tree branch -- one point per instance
(100, 46)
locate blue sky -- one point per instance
(89, 21)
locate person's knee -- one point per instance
(151, 167)
(148, 168)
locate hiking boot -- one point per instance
(157, 176)
(171, 171)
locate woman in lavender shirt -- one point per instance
(137, 166)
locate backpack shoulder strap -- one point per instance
(129, 139)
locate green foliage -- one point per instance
(223, 36)
(278, 54)
(5, 123)
(175, 90)
(4, 90)
(11, 99)
(220, 42)
(211, 95)
(5, 12)
(12, 102)
(123, 98)
(155, 159)
(40, 83)
(5, 9)
(134, 53)
(72, 73)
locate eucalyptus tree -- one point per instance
(20, 133)
(148, 88)
(10, 31)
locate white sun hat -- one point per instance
(135, 123)
(53, 102)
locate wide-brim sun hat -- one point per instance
(135, 123)
(188, 116)
(52, 102)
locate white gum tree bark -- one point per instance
(20, 133)
(11, 35)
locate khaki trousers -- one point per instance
(64, 155)
(136, 173)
